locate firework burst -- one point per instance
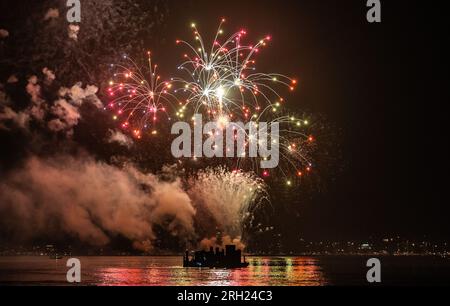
(296, 145)
(140, 98)
(222, 83)
(222, 80)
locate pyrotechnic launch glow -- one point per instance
(230, 197)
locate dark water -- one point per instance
(277, 271)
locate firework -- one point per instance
(229, 197)
(296, 145)
(223, 83)
(222, 80)
(138, 98)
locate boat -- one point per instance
(229, 258)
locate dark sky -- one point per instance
(380, 84)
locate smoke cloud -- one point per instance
(49, 76)
(61, 116)
(72, 31)
(18, 119)
(214, 242)
(120, 138)
(92, 201)
(78, 95)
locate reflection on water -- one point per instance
(162, 271)
(167, 271)
(262, 271)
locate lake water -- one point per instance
(262, 271)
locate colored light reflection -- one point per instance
(262, 271)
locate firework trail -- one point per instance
(228, 198)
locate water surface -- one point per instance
(262, 271)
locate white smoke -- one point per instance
(60, 117)
(68, 116)
(213, 242)
(72, 31)
(20, 119)
(77, 94)
(120, 138)
(49, 76)
(92, 201)
(34, 90)
(228, 197)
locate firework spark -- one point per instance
(296, 149)
(224, 85)
(229, 196)
(223, 81)
(139, 100)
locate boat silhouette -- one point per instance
(229, 258)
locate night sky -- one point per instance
(382, 87)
